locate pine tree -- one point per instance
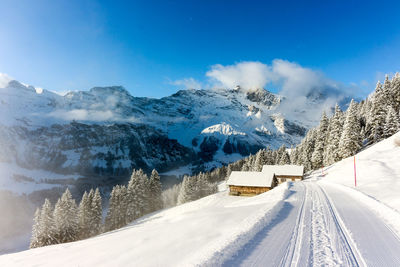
(308, 149)
(299, 158)
(221, 174)
(112, 212)
(136, 195)
(386, 92)
(183, 196)
(279, 154)
(170, 196)
(377, 115)
(188, 190)
(293, 155)
(155, 191)
(228, 171)
(96, 214)
(395, 92)
(84, 216)
(350, 141)
(47, 225)
(270, 157)
(203, 186)
(36, 234)
(391, 123)
(284, 159)
(317, 157)
(335, 132)
(116, 214)
(147, 195)
(259, 162)
(274, 157)
(122, 205)
(365, 112)
(90, 211)
(66, 219)
(247, 166)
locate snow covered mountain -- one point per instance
(105, 132)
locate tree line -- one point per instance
(68, 222)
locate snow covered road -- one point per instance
(321, 225)
(376, 242)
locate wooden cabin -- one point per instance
(285, 172)
(250, 183)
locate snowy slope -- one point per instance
(180, 236)
(377, 170)
(321, 221)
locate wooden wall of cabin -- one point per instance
(247, 190)
(284, 178)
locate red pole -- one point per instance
(355, 173)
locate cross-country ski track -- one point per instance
(321, 225)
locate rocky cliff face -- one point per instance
(92, 149)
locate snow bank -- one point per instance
(378, 179)
(220, 250)
(378, 172)
(389, 215)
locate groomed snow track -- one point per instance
(313, 228)
(292, 251)
(340, 240)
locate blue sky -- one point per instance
(148, 45)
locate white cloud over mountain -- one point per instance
(291, 79)
(4, 80)
(247, 74)
(297, 80)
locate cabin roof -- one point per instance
(256, 179)
(287, 170)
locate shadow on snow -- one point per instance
(245, 251)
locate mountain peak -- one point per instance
(109, 90)
(14, 84)
(261, 95)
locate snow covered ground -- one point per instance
(321, 221)
(184, 235)
(378, 172)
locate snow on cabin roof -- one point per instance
(256, 179)
(288, 170)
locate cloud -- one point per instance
(291, 78)
(297, 80)
(60, 93)
(4, 80)
(300, 85)
(188, 83)
(110, 108)
(247, 74)
(83, 115)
